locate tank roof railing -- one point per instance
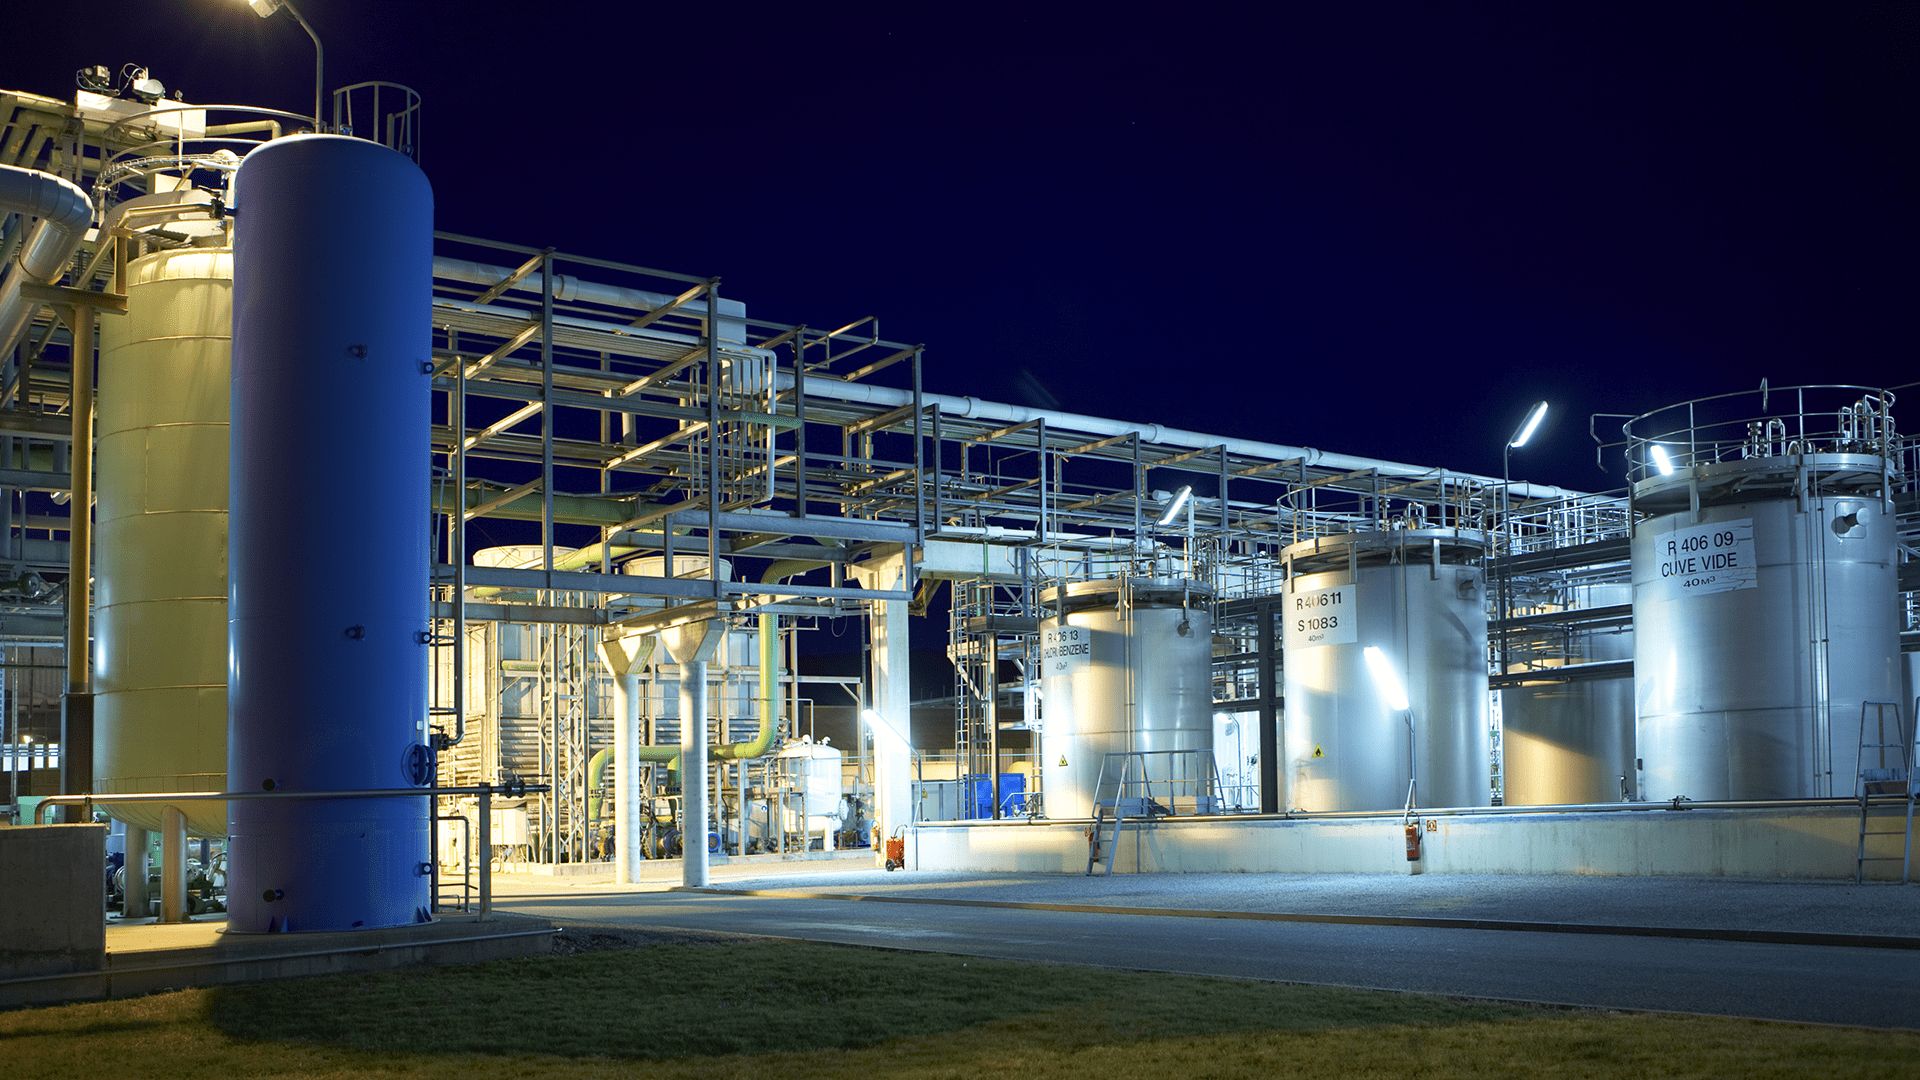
(1765, 422)
(1563, 523)
(396, 126)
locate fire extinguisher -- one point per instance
(1413, 841)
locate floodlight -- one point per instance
(1179, 500)
(1526, 429)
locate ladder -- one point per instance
(1881, 778)
(1099, 853)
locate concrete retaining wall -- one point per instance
(1804, 843)
(53, 914)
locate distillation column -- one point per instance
(328, 622)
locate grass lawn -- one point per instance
(721, 1007)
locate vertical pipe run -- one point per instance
(693, 773)
(1269, 716)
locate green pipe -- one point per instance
(596, 768)
(763, 741)
(628, 685)
(769, 719)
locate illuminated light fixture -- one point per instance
(1528, 426)
(1385, 679)
(1179, 501)
(1661, 459)
(267, 9)
(879, 725)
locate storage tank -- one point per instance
(813, 769)
(1570, 740)
(1417, 597)
(1127, 666)
(328, 619)
(160, 631)
(1765, 604)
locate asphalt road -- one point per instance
(1878, 987)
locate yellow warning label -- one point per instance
(1317, 752)
(1063, 761)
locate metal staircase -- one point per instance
(1127, 792)
(1881, 776)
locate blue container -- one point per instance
(978, 795)
(327, 546)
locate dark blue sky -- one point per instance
(1379, 229)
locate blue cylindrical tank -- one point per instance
(332, 340)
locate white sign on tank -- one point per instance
(1714, 558)
(1065, 649)
(1322, 617)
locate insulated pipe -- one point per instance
(64, 212)
(733, 313)
(999, 412)
(597, 768)
(763, 739)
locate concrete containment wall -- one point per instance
(53, 915)
(1808, 843)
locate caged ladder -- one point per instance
(1884, 778)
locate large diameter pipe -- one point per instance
(332, 343)
(566, 287)
(693, 780)
(64, 212)
(999, 412)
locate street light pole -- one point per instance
(1519, 438)
(265, 9)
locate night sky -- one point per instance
(1378, 229)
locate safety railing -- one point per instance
(1138, 784)
(388, 113)
(484, 793)
(1569, 522)
(1763, 423)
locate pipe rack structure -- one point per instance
(605, 410)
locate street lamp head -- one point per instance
(264, 8)
(1179, 500)
(1528, 426)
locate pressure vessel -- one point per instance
(328, 627)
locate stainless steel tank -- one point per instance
(1570, 740)
(1766, 616)
(1416, 596)
(1126, 666)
